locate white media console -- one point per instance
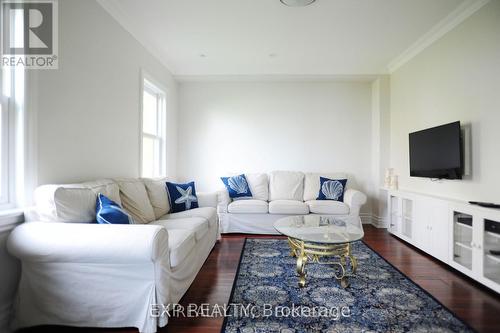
(457, 233)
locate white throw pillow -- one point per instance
(311, 183)
(286, 185)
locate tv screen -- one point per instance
(437, 152)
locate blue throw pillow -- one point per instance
(331, 189)
(182, 196)
(109, 212)
(237, 186)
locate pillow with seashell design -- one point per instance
(237, 186)
(331, 189)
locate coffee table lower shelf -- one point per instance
(312, 252)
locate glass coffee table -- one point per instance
(315, 237)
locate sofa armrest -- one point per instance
(354, 199)
(207, 199)
(88, 243)
(223, 200)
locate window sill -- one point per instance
(10, 217)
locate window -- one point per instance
(154, 123)
(11, 113)
(17, 145)
(4, 142)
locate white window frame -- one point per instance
(4, 148)
(8, 139)
(18, 151)
(152, 86)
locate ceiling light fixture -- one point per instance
(297, 3)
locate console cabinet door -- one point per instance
(422, 239)
(439, 226)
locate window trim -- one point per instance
(8, 195)
(151, 84)
(4, 151)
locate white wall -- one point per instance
(86, 113)
(457, 78)
(227, 127)
(88, 109)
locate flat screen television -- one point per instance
(437, 152)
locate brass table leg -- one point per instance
(301, 265)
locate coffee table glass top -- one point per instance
(321, 229)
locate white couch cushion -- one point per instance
(286, 185)
(208, 213)
(158, 196)
(311, 183)
(73, 202)
(180, 243)
(259, 185)
(135, 200)
(248, 207)
(288, 207)
(328, 207)
(198, 225)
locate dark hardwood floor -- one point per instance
(471, 302)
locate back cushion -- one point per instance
(158, 197)
(286, 185)
(73, 203)
(135, 200)
(259, 186)
(311, 183)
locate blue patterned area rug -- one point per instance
(266, 298)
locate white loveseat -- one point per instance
(281, 194)
(79, 273)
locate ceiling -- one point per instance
(264, 37)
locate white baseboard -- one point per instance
(376, 221)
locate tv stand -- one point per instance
(462, 235)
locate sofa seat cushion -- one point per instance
(328, 207)
(180, 243)
(248, 207)
(208, 213)
(198, 225)
(288, 207)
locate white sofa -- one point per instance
(281, 194)
(79, 273)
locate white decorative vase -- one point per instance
(393, 182)
(388, 174)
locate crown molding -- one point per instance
(277, 78)
(460, 14)
(115, 10)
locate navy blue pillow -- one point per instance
(331, 189)
(237, 186)
(182, 196)
(109, 212)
